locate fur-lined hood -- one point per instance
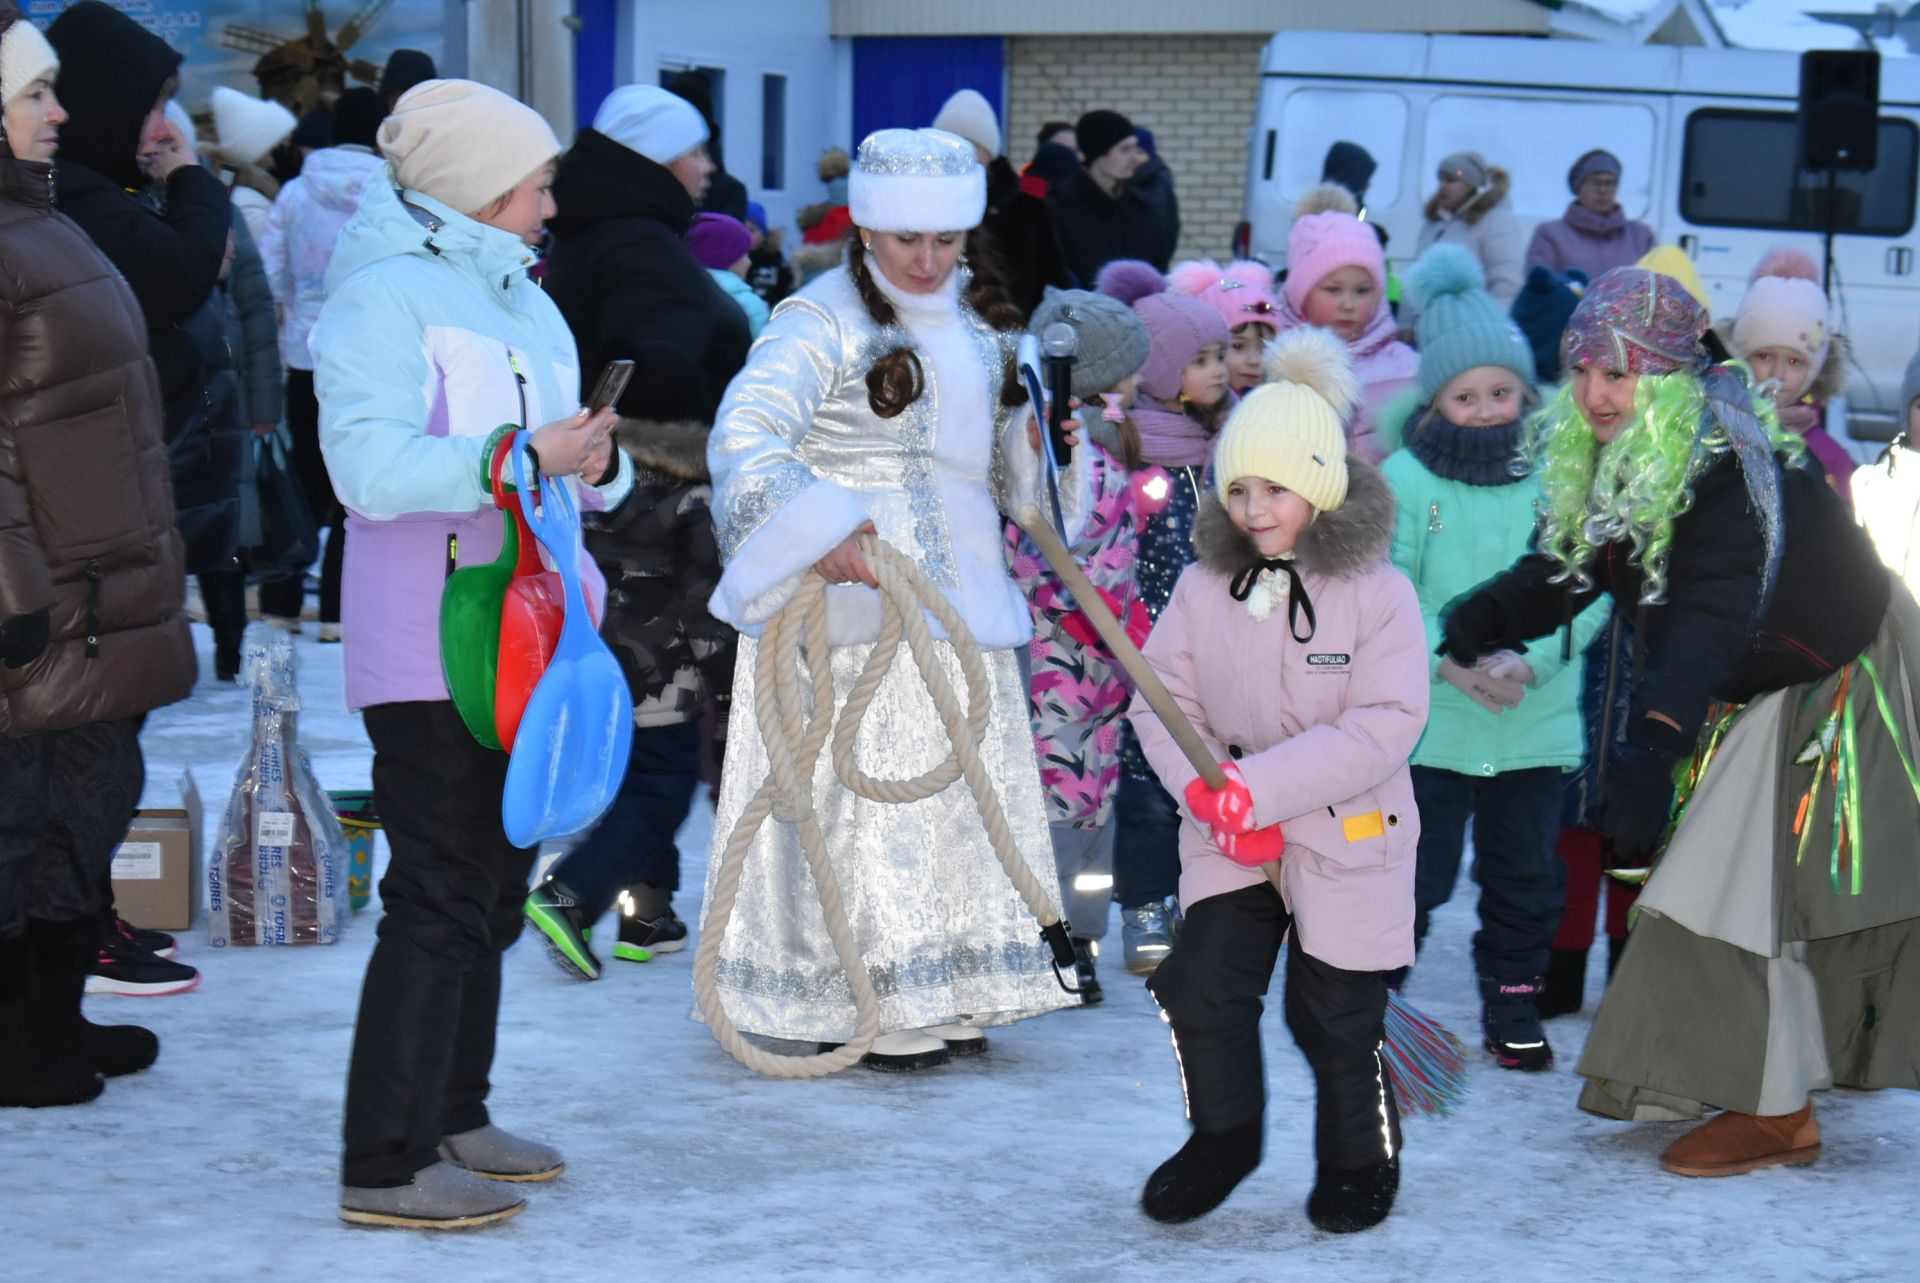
(1343, 544)
(1478, 204)
(678, 448)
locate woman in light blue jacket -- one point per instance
(432, 344)
(1500, 736)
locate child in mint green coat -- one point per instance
(1501, 735)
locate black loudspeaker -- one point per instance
(1839, 109)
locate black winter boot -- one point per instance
(1566, 983)
(1615, 945)
(35, 1070)
(1510, 1024)
(1347, 1202)
(1198, 1178)
(63, 954)
(1084, 977)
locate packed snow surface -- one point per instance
(220, 1163)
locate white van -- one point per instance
(1706, 137)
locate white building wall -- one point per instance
(749, 39)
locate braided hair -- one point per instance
(897, 379)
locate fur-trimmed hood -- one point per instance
(677, 448)
(1499, 182)
(1342, 544)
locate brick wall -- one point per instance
(1196, 93)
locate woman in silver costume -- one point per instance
(878, 399)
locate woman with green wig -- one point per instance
(1768, 755)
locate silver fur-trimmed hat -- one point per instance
(917, 180)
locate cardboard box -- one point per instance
(157, 871)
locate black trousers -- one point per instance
(283, 598)
(423, 1043)
(1210, 989)
(1523, 882)
(634, 840)
(66, 799)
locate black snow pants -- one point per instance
(1210, 989)
(66, 799)
(423, 1042)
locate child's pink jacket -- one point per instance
(1324, 728)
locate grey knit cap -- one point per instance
(1909, 389)
(1113, 340)
(1468, 165)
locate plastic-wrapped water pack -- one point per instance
(277, 873)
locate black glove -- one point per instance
(23, 638)
(1474, 626)
(1635, 805)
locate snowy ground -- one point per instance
(220, 1162)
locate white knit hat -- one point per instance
(969, 115)
(916, 180)
(25, 56)
(1291, 428)
(1784, 308)
(660, 125)
(249, 127)
(463, 143)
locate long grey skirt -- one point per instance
(1766, 960)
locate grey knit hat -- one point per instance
(1909, 389)
(1113, 340)
(1469, 166)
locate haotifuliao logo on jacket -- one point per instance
(1323, 661)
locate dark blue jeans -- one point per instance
(1146, 842)
(1523, 883)
(634, 840)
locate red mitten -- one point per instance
(1226, 809)
(1139, 623)
(1261, 846)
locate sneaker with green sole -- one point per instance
(641, 938)
(555, 912)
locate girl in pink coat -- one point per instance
(1298, 652)
(1337, 280)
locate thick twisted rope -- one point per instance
(793, 659)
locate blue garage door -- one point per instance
(900, 81)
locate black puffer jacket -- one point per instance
(1704, 643)
(630, 289)
(111, 73)
(662, 563)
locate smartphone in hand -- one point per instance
(613, 382)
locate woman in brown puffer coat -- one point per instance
(91, 583)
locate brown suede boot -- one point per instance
(1733, 1144)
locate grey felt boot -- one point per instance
(440, 1197)
(502, 1156)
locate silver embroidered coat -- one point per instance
(799, 461)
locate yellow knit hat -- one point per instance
(1671, 260)
(1291, 430)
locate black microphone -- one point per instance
(1058, 341)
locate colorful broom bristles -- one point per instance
(1425, 1060)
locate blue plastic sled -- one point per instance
(571, 750)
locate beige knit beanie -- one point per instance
(1291, 429)
(25, 56)
(464, 144)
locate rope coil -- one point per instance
(791, 665)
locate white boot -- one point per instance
(907, 1049)
(961, 1040)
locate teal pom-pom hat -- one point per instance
(1461, 326)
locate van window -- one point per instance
(1536, 140)
(1315, 119)
(1740, 171)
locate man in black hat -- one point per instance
(1097, 212)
